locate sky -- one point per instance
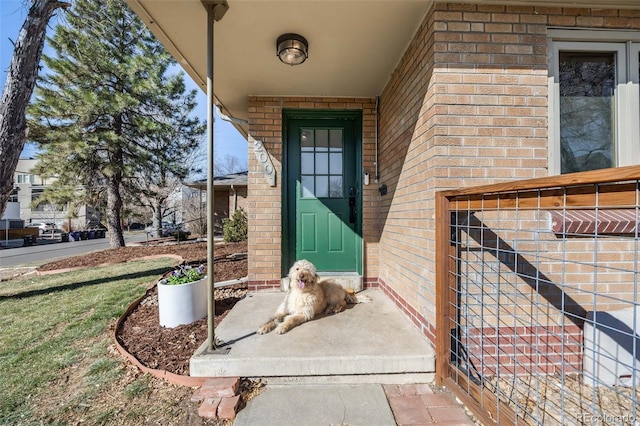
(228, 141)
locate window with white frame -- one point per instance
(594, 102)
(26, 178)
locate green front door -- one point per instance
(323, 193)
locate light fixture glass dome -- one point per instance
(292, 49)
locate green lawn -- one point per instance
(49, 324)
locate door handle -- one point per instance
(352, 205)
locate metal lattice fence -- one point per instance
(539, 299)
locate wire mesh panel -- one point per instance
(542, 303)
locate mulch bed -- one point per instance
(190, 251)
(170, 349)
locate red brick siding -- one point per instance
(524, 350)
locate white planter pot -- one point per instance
(182, 303)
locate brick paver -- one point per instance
(227, 408)
(209, 408)
(218, 397)
(409, 410)
(419, 404)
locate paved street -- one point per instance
(47, 251)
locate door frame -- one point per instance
(288, 224)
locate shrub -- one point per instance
(235, 229)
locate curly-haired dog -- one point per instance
(308, 295)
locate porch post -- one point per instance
(215, 11)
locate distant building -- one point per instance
(230, 194)
(28, 186)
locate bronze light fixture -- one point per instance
(292, 49)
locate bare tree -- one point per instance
(161, 198)
(229, 164)
(18, 88)
(195, 212)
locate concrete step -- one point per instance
(367, 343)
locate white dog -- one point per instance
(308, 295)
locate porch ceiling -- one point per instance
(354, 45)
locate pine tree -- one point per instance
(107, 111)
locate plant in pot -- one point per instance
(182, 296)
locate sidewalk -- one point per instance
(352, 404)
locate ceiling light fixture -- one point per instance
(292, 49)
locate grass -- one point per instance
(51, 325)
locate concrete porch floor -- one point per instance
(367, 343)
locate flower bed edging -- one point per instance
(176, 379)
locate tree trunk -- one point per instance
(157, 216)
(114, 209)
(18, 88)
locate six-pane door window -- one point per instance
(321, 163)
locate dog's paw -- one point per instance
(265, 329)
(334, 309)
(281, 330)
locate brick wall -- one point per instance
(518, 255)
(239, 198)
(221, 207)
(522, 350)
(226, 202)
(467, 105)
(265, 202)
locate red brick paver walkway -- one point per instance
(420, 404)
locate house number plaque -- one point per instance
(265, 161)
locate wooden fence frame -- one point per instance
(552, 192)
